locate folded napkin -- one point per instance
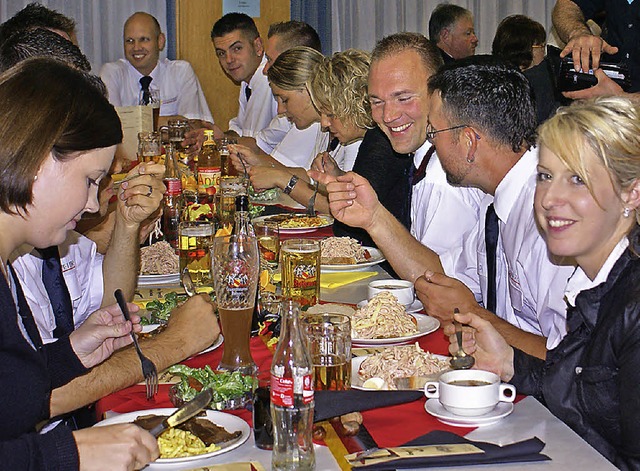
(520, 452)
(337, 279)
(335, 403)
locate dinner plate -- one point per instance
(376, 258)
(357, 383)
(150, 280)
(328, 220)
(426, 325)
(219, 341)
(230, 422)
(433, 407)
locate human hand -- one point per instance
(123, 446)
(248, 155)
(265, 178)
(352, 200)
(482, 340)
(441, 294)
(326, 164)
(141, 194)
(605, 87)
(585, 50)
(195, 323)
(102, 333)
(149, 225)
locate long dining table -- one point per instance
(387, 426)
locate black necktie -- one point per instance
(247, 92)
(146, 94)
(57, 290)
(417, 174)
(491, 232)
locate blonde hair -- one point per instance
(609, 127)
(339, 87)
(294, 67)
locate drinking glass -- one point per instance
(149, 146)
(230, 187)
(268, 237)
(301, 271)
(329, 344)
(236, 262)
(195, 239)
(154, 103)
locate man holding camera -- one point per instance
(621, 44)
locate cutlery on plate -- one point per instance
(149, 370)
(460, 360)
(187, 282)
(189, 410)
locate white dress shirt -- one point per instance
(180, 91)
(442, 215)
(529, 286)
(82, 271)
(269, 138)
(255, 114)
(298, 148)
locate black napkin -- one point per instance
(520, 452)
(335, 403)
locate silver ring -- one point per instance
(150, 190)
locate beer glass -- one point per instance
(174, 132)
(195, 239)
(149, 147)
(235, 280)
(329, 345)
(154, 103)
(301, 271)
(230, 187)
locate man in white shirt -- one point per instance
(239, 49)
(483, 134)
(180, 91)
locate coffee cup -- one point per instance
(401, 289)
(469, 392)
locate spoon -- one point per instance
(460, 361)
(187, 283)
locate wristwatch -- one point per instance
(287, 189)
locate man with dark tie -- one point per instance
(131, 80)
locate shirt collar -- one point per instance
(509, 189)
(420, 153)
(579, 281)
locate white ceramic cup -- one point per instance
(401, 289)
(469, 392)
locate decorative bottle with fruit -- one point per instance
(292, 401)
(208, 171)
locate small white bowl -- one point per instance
(403, 290)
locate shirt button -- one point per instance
(630, 25)
(578, 370)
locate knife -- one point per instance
(190, 409)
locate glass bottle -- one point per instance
(242, 217)
(292, 396)
(172, 198)
(208, 170)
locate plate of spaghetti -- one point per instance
(159, 265)
(289, 223)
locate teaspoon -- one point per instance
(460, 361)
(187, 283)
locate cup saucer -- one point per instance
(433, 407)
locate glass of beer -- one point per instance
(268, 237)
(195, 239)
(235, 280)
(230, 187)
(301, 271)
(149, 147)
(329, 344)
(154, 103)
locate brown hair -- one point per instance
(47, 107)
(399, 42)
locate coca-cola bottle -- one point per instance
(292, 396)
(172, 198)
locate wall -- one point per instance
(195, 19)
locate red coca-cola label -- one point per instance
(174, 187)
(282, 390)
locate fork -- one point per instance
(312, 200)
(149, 370)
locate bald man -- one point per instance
(180, 91)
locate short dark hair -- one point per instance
(235, 21)
(33, 16)
(486, 93)
(41, 42)
(443, 17)
(296, 33)
(514, 39)
(47, 107)
(398, 42)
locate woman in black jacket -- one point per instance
(586, 204)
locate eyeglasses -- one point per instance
(431, 131)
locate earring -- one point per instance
(626, 213)
(35, 178)
(471, 159)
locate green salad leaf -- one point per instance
(159, 311)
(225, 385)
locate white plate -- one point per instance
(230, 422)
(356, 381)
(213, 346)
(433, 407)
(376, 258)
(426, 325)
(415, 307)
(151, 280)
(328, 220)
